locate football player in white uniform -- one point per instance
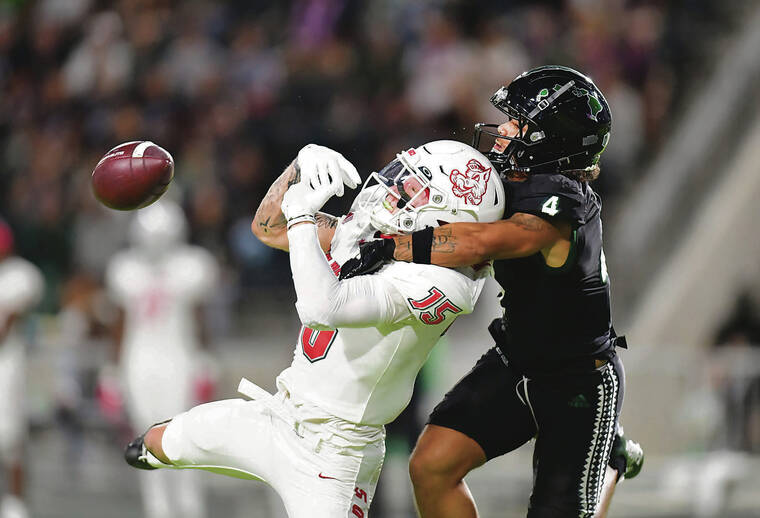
(22, 287)
(319, 441)
(160, 282)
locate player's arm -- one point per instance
(324, 302)
(463, 244)
(269, 224)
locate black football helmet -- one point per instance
(564, 122)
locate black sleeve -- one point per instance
(549, 197)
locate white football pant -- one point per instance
(321, 466)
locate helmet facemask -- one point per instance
(398, 195)
(440, 182)
(529, 132)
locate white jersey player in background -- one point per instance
(160, 283)
(319, 441)
(21, 287)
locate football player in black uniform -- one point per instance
(553, 373)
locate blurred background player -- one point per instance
(160, 282)
(21, 287)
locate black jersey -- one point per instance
(555, 314)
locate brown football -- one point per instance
(132, 175)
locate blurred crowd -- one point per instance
(233, 90)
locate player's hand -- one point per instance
(319, 165)
(372, 256)
(302, 200)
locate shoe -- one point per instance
(136, 454)
(628, 454)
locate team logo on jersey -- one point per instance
(472, 184)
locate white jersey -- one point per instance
(366, 374)
(158, 295)
(160, 340)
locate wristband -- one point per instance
(422, 244)
(301, 219)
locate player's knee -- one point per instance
(419, 467)
(443, 456)
(432, 464)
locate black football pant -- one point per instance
(572, 415)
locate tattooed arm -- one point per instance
(269, 224)
(462, 244)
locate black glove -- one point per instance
(372, 256)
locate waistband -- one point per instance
(308, 420)
(603, 351)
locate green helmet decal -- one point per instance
(544, 92)
(593, 102)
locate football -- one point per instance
(132, 175)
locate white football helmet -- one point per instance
(158, 227)
(439, 182)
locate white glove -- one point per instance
(318, 164)
(323, 174)
(301, 201)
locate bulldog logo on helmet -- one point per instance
(472, 184)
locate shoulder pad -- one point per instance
(549, 196)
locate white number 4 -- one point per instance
(550, 206)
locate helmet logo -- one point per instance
(472, 184)
(543, 102)
(593, 101)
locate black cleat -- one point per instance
(627, 456)
(136, 454)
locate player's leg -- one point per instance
(437, 468)
(625, 462)
(231, 437)
(608, 490)
(13, 429)
(146, 451)
(154, 441)
(626, 458)
(333, 470)
(154, 489)
(190, 499)
(12, 504)
(577, 419)
(479, 419)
